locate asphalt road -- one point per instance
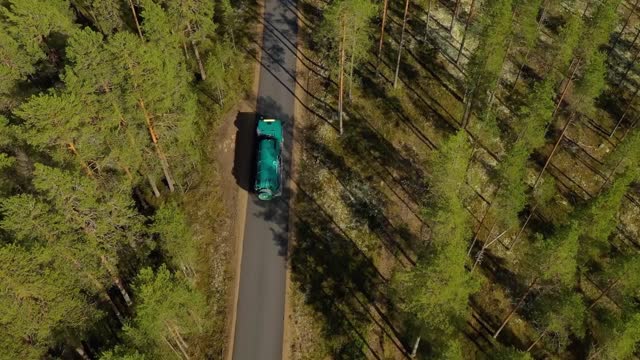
(260, 311)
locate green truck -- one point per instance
(268, 183)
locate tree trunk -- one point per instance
(475, 237)
(404, 25)
(175, 335)
(172, 348)
(513, 311)
(384, 21)
(79, 349)
(116, 280)
(341, 90)
(520, 69)
(566, 87)
(71, 146)
(466, 28)
(626, 132)
(606, 181)
(154, 187)
(454, 15)
(102, 292)
(135, 18)
(537, 340)
(165, 167)
(353, 55)
(555, 147)
(513, 243)
(605, 292)
(154, 138)
(184, 48)
(203, 74)
(526, 55)
(624, 27)
(486, 246)
(468, 106)
(626, 111)
(414, 352)
(630, 66)
(426, 26)
(635, 38)
(481, 252)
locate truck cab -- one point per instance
(268, 184)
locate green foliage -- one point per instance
(453, 351)
(591, 84)
(526, 30)
(535, 114)
(599, 28)
(437, 289)
(509, 353)
(555, 260)
(626, 154)
(353, 16)
(106, 15)
(511, 197)
(600, 214)
(170, 224)
(623, 341)
(435, 292)
(42, 301)
(448, 169)
(486, 62)
(87, 104)
(168, 309)
(562, 315)
(121, 353)
(626, 273)
(568, 41)
(29, 22)
(447, 213)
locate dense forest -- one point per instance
(105, 108)
(468, 182)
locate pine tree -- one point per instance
(509, 353)
(448, 215)
(346, 23)
(435, 292)
(42, 300)
(621, 342)
(106, 15)
(600, 214)
(550, 263)
(176, 239)
(192, 20)
(168, 312)
(486, 62)
(527, 29)
(560, 316)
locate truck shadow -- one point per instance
(243, 161)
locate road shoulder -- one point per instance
(296, 152)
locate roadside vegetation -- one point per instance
(468, 180)
(114, 241)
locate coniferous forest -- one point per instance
(105, 108)
(469, 180)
